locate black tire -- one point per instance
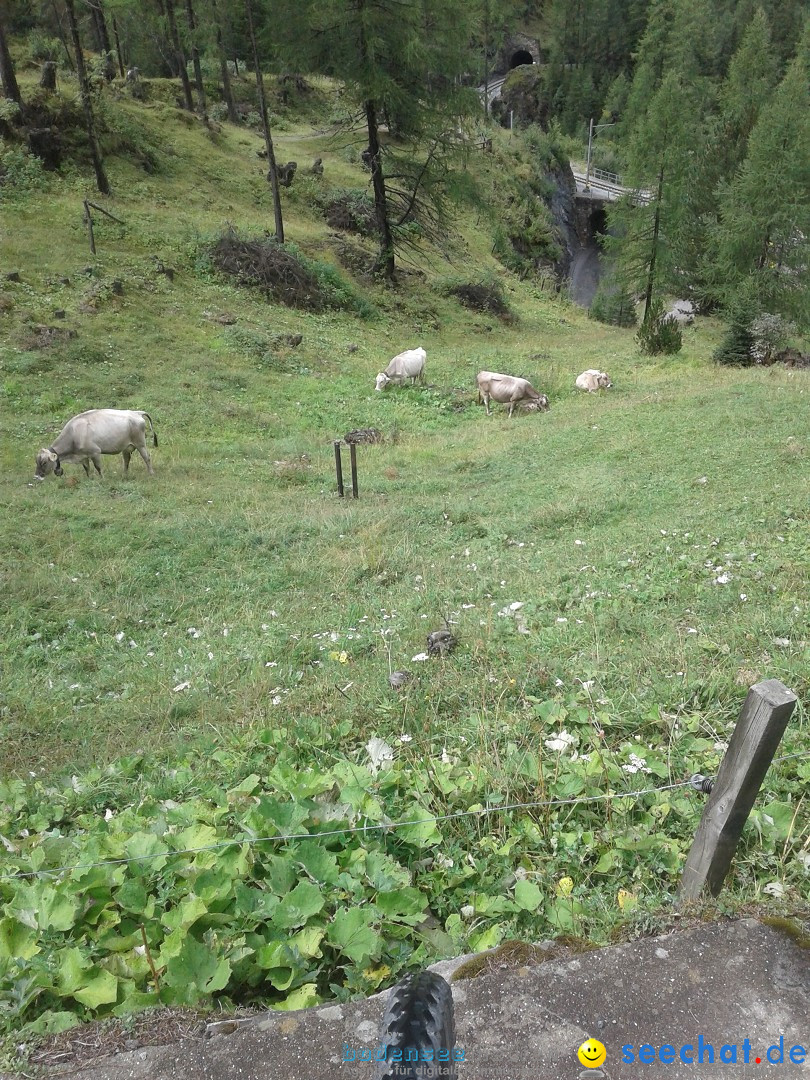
(419, 1017)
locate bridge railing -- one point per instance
(607, 177)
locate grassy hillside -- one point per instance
(232, 616)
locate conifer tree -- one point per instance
(751, 75)
(401, 61)
(8, 77)
(763, 237)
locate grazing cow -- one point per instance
(100, 431)
(509, 390)
(406, 365)
(593, 380)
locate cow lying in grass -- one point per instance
(593, 380)
(100, 431)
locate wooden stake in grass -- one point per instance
(762, 723)
(149, 959)
(338, 468)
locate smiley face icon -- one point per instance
(592, 1054)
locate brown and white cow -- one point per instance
(508, 390)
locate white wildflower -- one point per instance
(467, 911)
(520, 874)
(119, 636)
(181, 686)
(561, 742)
(636, 764)
(723, 579)
(775, 889)
(587, 685)
(276, 700)
(406, 738)
(443, 861)
(195, 633)
(562, 619)
(140, 950)
(380, 754)
(782, 641)
(108, 814)
(420, 656)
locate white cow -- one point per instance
(405, 365)
(509, 390)
(593, 380)
(99, 431)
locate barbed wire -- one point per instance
(350, 830)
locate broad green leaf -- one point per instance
(301, 904)
(17, 941)
(487, 939)
(72, 969)
(198, 966)
(308, 940)
(319, 863)
(132, 897)
(425, 834)
(304, 997)
(279, 873)
(562, 913)
(384, 873)
(102, 989)
(52, 1022)
(406, 904)
(351, 932)
(185, 914)
(607, 861)
(246, 787)
(528, 895)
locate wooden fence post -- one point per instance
(353, 461)
(338, 468)
(759, 730)
(89, 220)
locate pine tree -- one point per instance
(401, 61)
(751, 75)
(763, 235)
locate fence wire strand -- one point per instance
(349, 830)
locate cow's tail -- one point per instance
(152, 426)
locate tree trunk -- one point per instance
(118, 50)
(227, 91)
(195, 59)
(7, 76)
(386, 257)
(60, 29)
(102, 37)
(101, 177)
(180, 56)
(268, 139)
(648, 296)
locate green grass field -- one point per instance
(656, 537)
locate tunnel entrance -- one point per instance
(522, 56)
(597, 222)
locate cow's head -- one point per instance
(47, 463)
(382, 381)
(603, 379)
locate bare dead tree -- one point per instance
(102, 183)
(268, 139)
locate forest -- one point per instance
(704, 106)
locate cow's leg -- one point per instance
(147, 460)
(96, 459)
(86, 464)
(126, 454)
(511, 409)
(486, 402)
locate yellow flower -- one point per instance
(565, 886)
(627, 901)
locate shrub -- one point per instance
(286, 274)
(351, 210)
(736, 348)
(20, 171)
(42, 47)
(658, 334)
(613, 305)
(486, 296)
(218, 112)
(770, 333)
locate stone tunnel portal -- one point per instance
(521, 56)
